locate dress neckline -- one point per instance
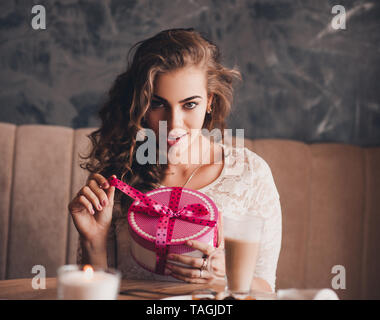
(226, 153)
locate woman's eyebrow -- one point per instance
(184, 100)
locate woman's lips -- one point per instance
(172, 141)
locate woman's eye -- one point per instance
(191, 105)
(156, 104)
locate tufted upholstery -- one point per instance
(330, 198)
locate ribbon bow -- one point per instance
(167, 216)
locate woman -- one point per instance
(175, 76)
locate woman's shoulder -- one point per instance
(242, 161)
(249, 171)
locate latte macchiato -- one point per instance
(242, 236)
(241, 256)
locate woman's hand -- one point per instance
(91, 210)
(192, 271)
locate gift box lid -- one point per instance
(146, 225)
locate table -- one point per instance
(21, 289)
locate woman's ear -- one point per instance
(209, 103)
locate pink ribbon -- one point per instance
(167, 216)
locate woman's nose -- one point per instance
(175, 119)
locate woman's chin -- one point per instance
(178, 153)
(180, 146)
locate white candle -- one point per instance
(87, 284)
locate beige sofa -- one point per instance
(330, 197)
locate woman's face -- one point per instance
(180, 99)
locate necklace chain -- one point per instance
(192, 174)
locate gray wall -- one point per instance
(302, 79)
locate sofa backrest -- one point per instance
(329, 193)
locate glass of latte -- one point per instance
(242, 236)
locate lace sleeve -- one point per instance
(265, 202)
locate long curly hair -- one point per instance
(114, 144)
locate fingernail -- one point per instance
(105, 185)
(189, 243)
(92, 211)
(104, 202)
(99, 207)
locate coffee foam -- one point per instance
(245, 228)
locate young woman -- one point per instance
(176, 76)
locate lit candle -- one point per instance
(87, 284)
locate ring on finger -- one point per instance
(204, 264)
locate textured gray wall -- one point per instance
(302, 79)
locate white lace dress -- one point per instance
(244, 187)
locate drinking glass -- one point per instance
(242, 236)
(203, 294)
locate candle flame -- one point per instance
(88, 271)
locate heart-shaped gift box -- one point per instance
(162, 220)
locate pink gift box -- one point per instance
(162, 220)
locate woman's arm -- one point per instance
(260, 284)
(104, 253)
(265, 202)
(94, 254)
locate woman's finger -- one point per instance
(190, 280)
(102, 181)
(111, 192)
(100, 194)
(87, 204)
(90, 195)
(191, 261)
(187, 272)
(201, 246)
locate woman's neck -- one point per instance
(189, 159)
(196, 175)
(204, 153)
